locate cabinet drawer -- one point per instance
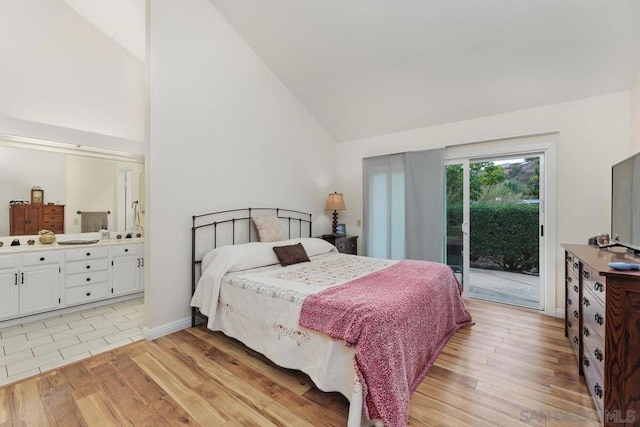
(120, 250)
(87, 293)
(593, 281)
(573, 263)
(86, 278)
(572, 328)
(594, 348)
(594, 381)
(593, 314)
(55, 220)
(86, 253)
(53, 210)
(38, 258)
(86, 266)
(7, 261)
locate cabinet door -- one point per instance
(8, 293)
(126, 275)
(34, 219)
(39, 289)
(18, 215)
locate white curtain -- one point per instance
(404, 205)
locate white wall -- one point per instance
(635, 116)
(21, 170)
(60, 70)
(223, 133)
(594, 134)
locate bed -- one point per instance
(329, 315)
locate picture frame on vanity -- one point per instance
(37, 196)
(341, 230)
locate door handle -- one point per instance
(465, 227)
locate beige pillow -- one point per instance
(269, 228)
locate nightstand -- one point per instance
(345, 244)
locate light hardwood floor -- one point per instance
(513, 367)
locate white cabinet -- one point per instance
(39, 282)
(127, 262)
(86, 275)
(35, 281)
(8, 286)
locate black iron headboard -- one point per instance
(234, 226)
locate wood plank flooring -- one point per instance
(514, 367)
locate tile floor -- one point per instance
(31, 348)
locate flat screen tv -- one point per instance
(625, 204)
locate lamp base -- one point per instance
(335, 222)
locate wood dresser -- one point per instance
(29, 219)
(602, 314)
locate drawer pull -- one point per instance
(41, 258)
(597, 390)
(88, 267)
(585, 331)
(598, 287)
(569, 279)
(88, 253)
(585, 361)
(88, 294)
(569, 302)
(598, 318)
(575, 289)
(576, 340)
(88, 279)
(586, 274)
(570, 259)
(585, 302)
(569, 324)
(598, 354)
(16, 277)
(126, 249)
(576, 265)
(576, 314)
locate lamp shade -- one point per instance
(335, 202)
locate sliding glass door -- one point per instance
(494, 227)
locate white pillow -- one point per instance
(269, 228)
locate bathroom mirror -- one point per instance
(81, 180)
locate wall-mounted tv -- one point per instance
(625, 203)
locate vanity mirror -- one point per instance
(75, 178)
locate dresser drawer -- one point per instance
(86, 266)
(53, 210)
(38, 258)
(594, 348)
(593, 314)
(594, 380)
(573, 263)
(121, 250)
(89, 252)
(86, 278)
(87, 293)
(593, 281)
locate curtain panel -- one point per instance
(404, 205)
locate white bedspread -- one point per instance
(250, 297)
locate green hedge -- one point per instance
(506, 235)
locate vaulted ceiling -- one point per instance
(372, 67)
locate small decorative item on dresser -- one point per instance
(46, 237)
(37, 196)
(31, 242)
(1, 243)
(15, 242)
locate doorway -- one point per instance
(495, 227)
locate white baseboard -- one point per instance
(169, 328)
(560, 312)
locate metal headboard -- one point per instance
(235, 227)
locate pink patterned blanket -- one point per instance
(399, 319)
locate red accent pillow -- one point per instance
(291, 254)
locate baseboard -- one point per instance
(169, 328)
(560, 312)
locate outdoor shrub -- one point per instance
(506, 235)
